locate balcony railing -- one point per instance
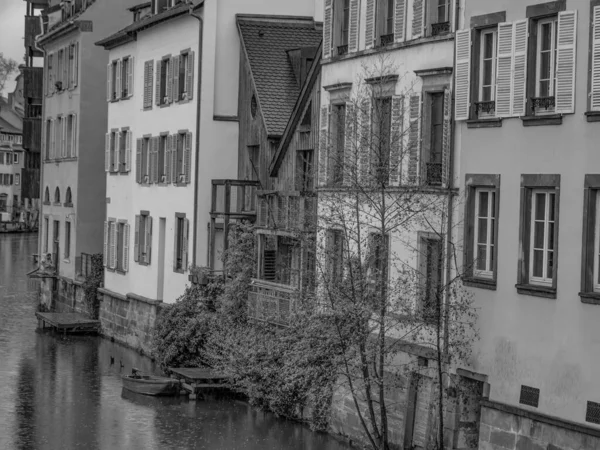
(342, 49)
(440, 28)
(386, 39)
(288, 211)
(234, 198)
(542, 104)
(32, 134)
(434, 173)
(33, 111)
(33, 82)
(271, 302)
(483, 109)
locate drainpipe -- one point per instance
(42, 146)
(198, 103)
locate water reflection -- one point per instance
(62, 393)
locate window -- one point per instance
(57, 195)
(443, 11)
(182, 225)
(15, 158)
(377, 261)
(73, 65)
(183, 157)
(47, 196)
(50, 74)
(538, 235)
(335, 255)
(433, 165)
(69, 197)
(184, 79)
(116, 245)
(590, 253)
(61, 67)
(8, 159)
(163, 154)
(2, 157)
(3, 202)
(17, 179)
(122, 153)
(144, 166)
(385, 19)
(148, 83)
(67, 240)
(545, 75)
(112, 151)
(337, 128)
(49, 154)
(46, 233)
(164, 66)
(485, 228)
(58, 138)
(341, 26)
(127, 77)
(143, 238)
(431, 264)
(487, 73)
(70, 151)
(113, 81)
(304, 165)
(381, 138)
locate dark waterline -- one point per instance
(60, 393)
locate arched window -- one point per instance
(69, 198)
(57, 195)
(47, 195)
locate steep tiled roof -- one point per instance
(7, 127)
(266, 40)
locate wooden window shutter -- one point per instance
(190, 76)
(463, 74)
(105, 254)
(138, 160)
(128, 143)
(446, 138)
(327, 29)
(370, 24)
(174, 168)
(353, 26)
(119, 86)
(126, 230)
(113, 245)
(63, 137)
(157, 82)
(117, 153)
(109, 82)
(184, 244)
(52, 139)
(136, 240)
(504, 70)
(414, 138)
(187, 157)
(76, 65)
(154, 159)
(396, 139)
(350, 147)
(74, 136)
(66, 65)
(168, 160)
(148, 85)
(70, 69)
(148, 239)
(323, 144)
(595, 62)
(175, 61)
(364, 158)
(130, 76)
(418, 22)
(400, 20)
(169, 80)
(107, 161)
(519, 76)
(565, 62)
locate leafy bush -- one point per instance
(92, 283)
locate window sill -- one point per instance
(590, 298)
(57, 204)
(178, 271)
(141, 263)
(164, 105)
(147, 108)
(548, 119)
(481, 283)
(492, 122)
(68, 205)
(46, 203)
(536, 291)
(120, 272)
(592, 116)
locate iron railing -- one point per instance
(386, 39)
(440, 28)
(286, 211)
(546, 103)
(270, 302)
(342, 49)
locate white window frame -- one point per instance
(17, 179)
(547, 278)
(490, 217)
(494, 33)
(439, 4)
(553, 46)
(15, 158)
(596, 283)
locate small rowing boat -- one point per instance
(150, 384)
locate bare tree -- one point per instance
(8, 67)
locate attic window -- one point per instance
(253, 106)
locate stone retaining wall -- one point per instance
(70, 297)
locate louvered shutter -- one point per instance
(184, 244)
(126, 231)
(565, 62)
(187, 157)
(76, 65)
(169, 80)
(70, 50)
(396, 139)
(364, 156)
(107, 161)
(446, 138)
(136, 240)
(113, 245)
(168, 158)
(463, 75)
(108, 82)
(350, 146)
(519, 76)
(399, 20)
(414, 138)
(324, 145)
(327, 29)
(119, 86)
(130, 76)
(148, 239)
(595, 63)
(138, 160)
(418, 22)
(190, 76)
(105, 254)
(74, 137)
(157, 82)
(504, 70)
(52, 140)
(63, 137)
(154, 159)
(128, 142)
(353, 26)
(117, 152)
(176, 63)
(148, 85)
(370, 24)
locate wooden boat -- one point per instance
(150, 384)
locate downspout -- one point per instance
(198, 110)
(42, 147)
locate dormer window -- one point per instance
(159, 6)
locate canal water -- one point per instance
(64, 393)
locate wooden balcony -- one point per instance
(33, 83)
(287, 211)
(32, 134)
(271, 302)
(33, 28)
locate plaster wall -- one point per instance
(525, 340)
(14, 189)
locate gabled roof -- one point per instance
(6, 127)
(296, 117)
(266, 41)
(10, 121)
